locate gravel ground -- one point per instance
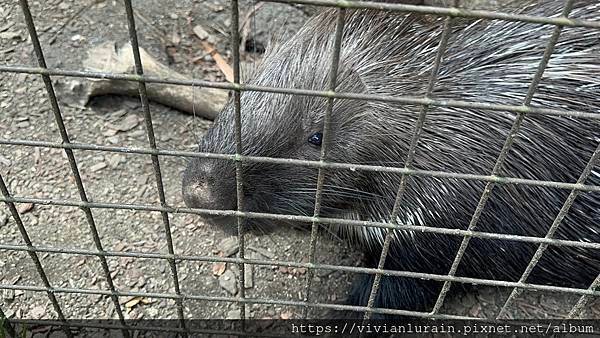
(67, 30)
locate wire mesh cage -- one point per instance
(307, 301)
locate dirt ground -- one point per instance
(67, 30)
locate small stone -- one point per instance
(248, 276)
(141, 282)
(113, 139)
(114, 161)
(129, 122)
(152, 312)
(227, 281)
(228, 246)
(234, 314)
(8, 295)
(22, 125)
(98, 166)
(173, 16)
(3, 219)
(110, 132)
(10, 35)
(37, 312)
(9, 313)
(200, 32)
(141, 180)
(5, 161)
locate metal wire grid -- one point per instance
(322, 165)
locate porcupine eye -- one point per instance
(316, 139)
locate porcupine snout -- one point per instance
(210, 184)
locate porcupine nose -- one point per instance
(209, 184)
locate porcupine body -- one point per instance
(392, 54)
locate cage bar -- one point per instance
(322, 165)
(503, 154)
(247, 300)
(312, 164)
(314, 233)
(409, 100)
(307, 219)
(239, 182)
(447, 11)
(34, 257)
(155, 161)
(446, 31)
(578, 307)
(555, 224)
(69, 153)
(292, 264)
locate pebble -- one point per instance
(228, 282)
(8, 295)
(3, 219)
(22, 125)
(248, 276)
(10, 35)
(229, 246)
(113, 139)
(129, 122)
(37, 312)
(98, 166)
(200, 32)
(114, 160)
(234, 314)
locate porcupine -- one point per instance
(392, 54)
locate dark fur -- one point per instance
(392, 54)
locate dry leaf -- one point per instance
(218, 268)
(221, 63)
(25, 208)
